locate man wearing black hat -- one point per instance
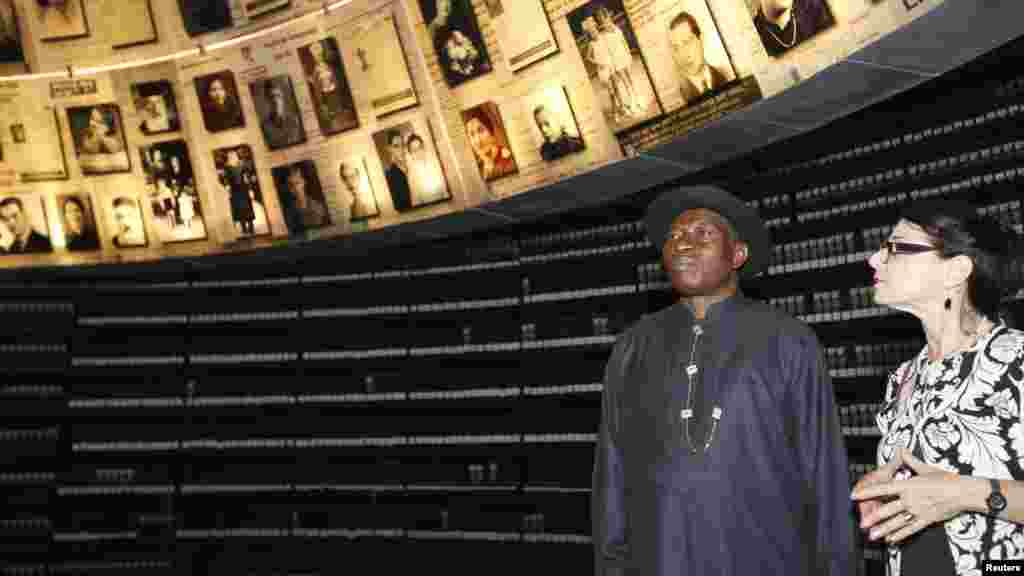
(720, 451)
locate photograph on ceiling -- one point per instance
(381, 61)
(554, 126)
(611, 55)
(489, 142)
(10, 34)
(124, 222)
(218, 100)
(699, 60)
(278, 110)
(260, 8)
(178, 215)
(99, 140)
(328, 85)
(23, 227)
(785, 24)
(356, 191)
(412, 169)
(458, 44)
(78, 222)
(155, 104)
(302, 198)
(239, 185)
(129, 23)
(35, 148)
(523, 31)
(60, 19)
(202, 16)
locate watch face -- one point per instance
(996, 502)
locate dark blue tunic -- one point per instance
(770, 496)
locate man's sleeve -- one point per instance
(608, 514)
(820, 446)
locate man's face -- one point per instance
(12, 217)
(74, 219)
(687, 49)
(126, 218)
(480, 138)
(217, 93)
(153, 106)
(350, 176)
(232, 159)
(699, 256)
(775, 8)
(546, 126)
(395, 148)
(297, 184)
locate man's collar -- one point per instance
(718, 311)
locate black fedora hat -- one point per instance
(663, 210)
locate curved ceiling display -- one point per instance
(135, 130)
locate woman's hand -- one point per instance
(933, 495)
(874, 478)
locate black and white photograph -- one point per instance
(23, 226)
(129, 23)
(78, 222)
(302, 198)
(156, 106)
(785, 24)
(240, 186)
(412, 169)
(699, 60)
(124, 222)
(98, 135)
(356, 191)
(203, 16)
(10, 34)
(278, 110)
(554, 126)
(458, 43)
(178, 215)
(60, 19)
(611, 54)
(329, 87)
(35, 148)
(218, 100)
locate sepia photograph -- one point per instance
(458, 43)
(356, 191)
(412, 169)
(61, 19)
(125, 222)
(178, 215)
(785, 24)
(10, 34)
(155, 104)
(699, 60)
(78, 222)
(259, 8)
(555, 130)
(36, 148)
(608, 46)
(523, 30)
(23, 226)
(302, 198)
(99, 139)
(129, 23)
(218, 100)
(280, 119)
(489, 142)
(328, 85)
(239, 185)
(381, 63)
(202, 16)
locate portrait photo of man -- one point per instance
(202, 16)
(128, 231)
(785, 24)
(356, 191)
(99, 139)
(61, 19)
(21, 220)
(10, 35)
(154, 102)
(218, 100)
(302, 199)
(489, 142)
(556, 130)
(78, 223)
(697, 77)
(457, 40)
(280, 119)
(236, 176)
(328, 85)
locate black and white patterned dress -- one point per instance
(963, 415)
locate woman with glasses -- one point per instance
(948, 494)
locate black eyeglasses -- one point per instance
(889, 247)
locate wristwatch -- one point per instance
(996, 502)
